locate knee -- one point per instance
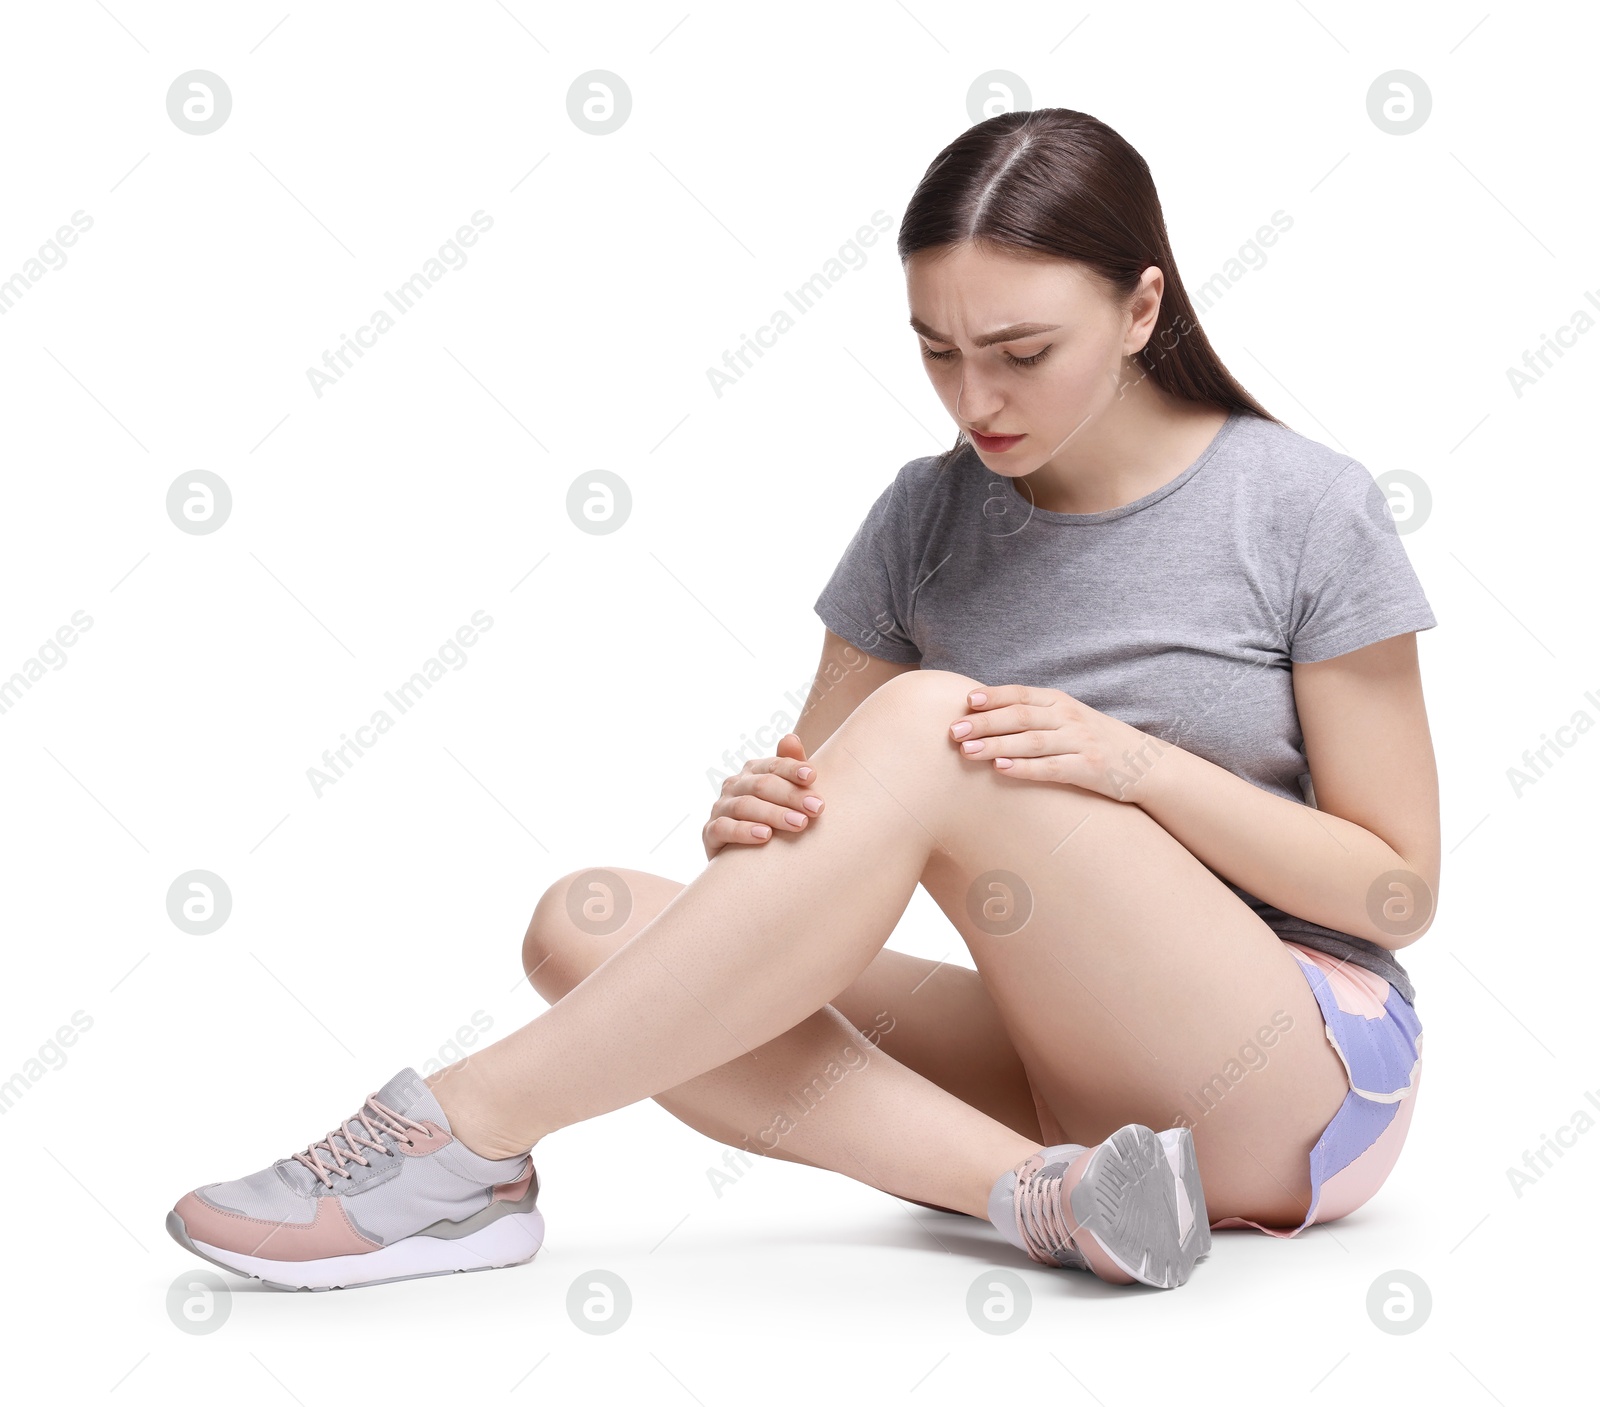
(900, 732)
(937, 696)
(557, 951)
(904, 732)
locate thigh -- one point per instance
(1139, 988)
(936, 1018)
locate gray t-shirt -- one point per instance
(1179, 613)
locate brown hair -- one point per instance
(1057, 184)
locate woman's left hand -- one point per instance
(1045, 735)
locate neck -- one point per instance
(1129, 448)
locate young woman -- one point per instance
(1078, 674)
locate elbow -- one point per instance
(1401, 904)
(1395, 942)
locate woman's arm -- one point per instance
(1376, 786)
(845, 676)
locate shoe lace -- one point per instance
(382, 1120)
(1040, 1218)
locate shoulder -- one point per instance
(1294, 467)
(924, 490)
(1298, 478)
(933, 474)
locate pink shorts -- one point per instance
(1379, 1038)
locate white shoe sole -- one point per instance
(1140, 1198)
(510, 1240)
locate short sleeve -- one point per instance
(867, 599)
(1355, 585)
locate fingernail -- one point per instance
(975, 745)
(960, 730)
(805, 774)
(794, 818)
(978, 700)
(812, 804)
(761, 832)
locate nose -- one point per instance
(984, 402)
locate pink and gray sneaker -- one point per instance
(1130, 1210)
(389, 1195)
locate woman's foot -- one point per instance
(392, 1194)
(1024, 1206)
(1131, 1209)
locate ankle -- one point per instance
(471, 1113)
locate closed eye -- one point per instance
(1034, 360)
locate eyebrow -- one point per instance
(1005, 334)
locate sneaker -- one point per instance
(1022, 1203)
(1130, 1210)
(389, 1195)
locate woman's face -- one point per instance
(1058, 361)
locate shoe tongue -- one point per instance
(406, 1094)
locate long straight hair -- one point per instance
(1057, 184)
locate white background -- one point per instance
(431, 481)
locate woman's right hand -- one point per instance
(766, 793)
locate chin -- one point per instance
(1011, 468)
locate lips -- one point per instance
(994, 444)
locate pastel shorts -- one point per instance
(1379, 1038)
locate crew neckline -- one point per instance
(1154, 496)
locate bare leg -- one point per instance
(1138, 961)
(903, 1056)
